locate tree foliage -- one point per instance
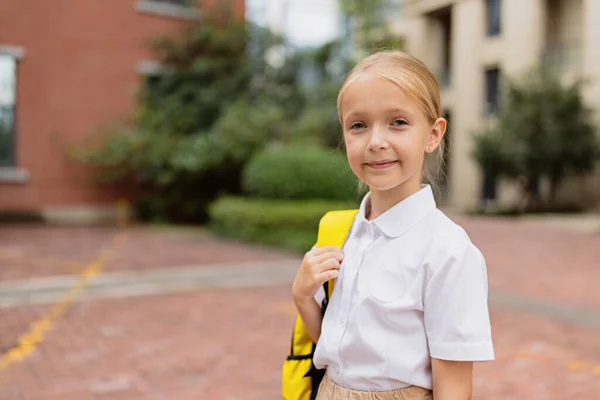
(369, 22)
(543, 131)
(218, 100)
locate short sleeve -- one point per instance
(456, 312)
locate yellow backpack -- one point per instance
(300, 377)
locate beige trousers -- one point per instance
(330, 391)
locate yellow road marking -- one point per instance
(576, 365)
(28, 342)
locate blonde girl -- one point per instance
(409, 312)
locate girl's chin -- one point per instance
(383, 185)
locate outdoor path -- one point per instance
(32, 251)
(219, 329)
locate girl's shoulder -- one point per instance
(445, 231)
(448, 240)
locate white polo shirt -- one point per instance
(411, 286)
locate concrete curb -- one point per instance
(154, 281)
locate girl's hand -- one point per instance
(318, 266)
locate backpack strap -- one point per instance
(334, 229)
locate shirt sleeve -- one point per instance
(456, 313)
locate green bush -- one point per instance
(289, 224)
(298, 173)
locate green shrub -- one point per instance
(289, 224)
(298, 172)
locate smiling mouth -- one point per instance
(382, 164)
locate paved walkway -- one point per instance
(219, 328)
(30, 251)
(239, 275)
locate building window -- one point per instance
(493, 11)
(492, 90)
(8, 86)
(183, 3)
(184, 9)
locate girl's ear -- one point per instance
(436, 135)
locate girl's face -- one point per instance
(386, 134)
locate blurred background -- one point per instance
(164, 165)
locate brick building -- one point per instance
(65, 68)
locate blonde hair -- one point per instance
(416, 81)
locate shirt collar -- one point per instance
(401, 217)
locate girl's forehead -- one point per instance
(373, 90)
(366, 78)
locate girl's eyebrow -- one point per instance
(358, 114)
(399, 110)
(352, 114)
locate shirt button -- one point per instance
(342, 320)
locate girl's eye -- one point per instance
(357, 125)
(400, 122)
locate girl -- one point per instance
(409, 311)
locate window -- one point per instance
(8, 86)
(183, 3)
(153, 83)
(170, 8)
(493, 12)
(492, 90)
(445, 20)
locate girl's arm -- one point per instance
(452, 380)
(311, 314)
(319, 265)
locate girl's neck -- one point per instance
(383, 200)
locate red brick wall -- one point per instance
(79, 71)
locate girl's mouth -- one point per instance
(381, 164)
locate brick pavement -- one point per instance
(529, 257)
(523, 256)
(191, 345)
(36, 251)
(229, 344)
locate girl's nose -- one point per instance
(377, 140)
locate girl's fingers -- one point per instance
(330, 264)
(327, 275)
(327, 249)
(333, 255)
